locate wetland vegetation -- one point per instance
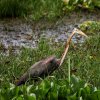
(83, 57)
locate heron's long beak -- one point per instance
(80, 32)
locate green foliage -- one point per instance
(55, 8)
(52, 89)
(47, 8)
(90, 27)
(85, 84)
(14, 8)
(96, 3)
(84, 4)
(86, 58)
(15, 65)
(37, 9)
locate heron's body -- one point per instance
(48, 65)
(40, 69)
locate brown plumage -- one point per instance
(40, 69)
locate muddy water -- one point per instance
(15, 33)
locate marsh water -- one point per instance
(16, 33)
